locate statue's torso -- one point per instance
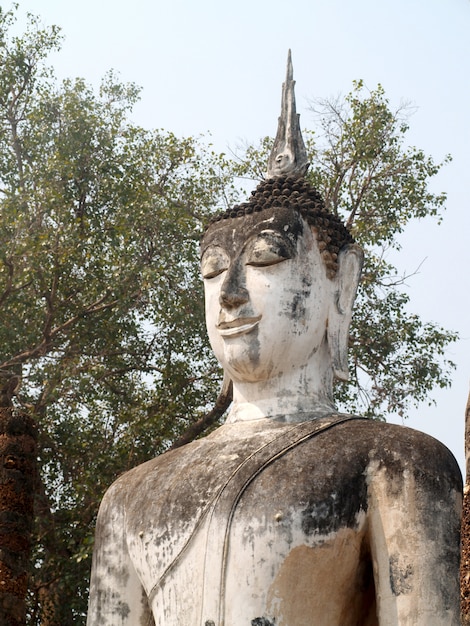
(220, 532)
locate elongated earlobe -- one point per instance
(346, 282)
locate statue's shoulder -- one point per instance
(201, 465)
(157, 470)
(394, 446)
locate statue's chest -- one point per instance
(225, 536)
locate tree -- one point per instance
(369, 177)
(100, 293)
(101, 301)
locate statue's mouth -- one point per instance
(238, 326)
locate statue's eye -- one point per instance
(214, 261)
(268, 250)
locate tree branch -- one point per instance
(221, 405)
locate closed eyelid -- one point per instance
(268, 248)
(214, 261)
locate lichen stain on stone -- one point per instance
(340, 508)
(122, 609)
(254, 352)
(401, 576)
(262, 621)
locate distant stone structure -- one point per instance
(465, 560)
(18, 478)
(290, 514)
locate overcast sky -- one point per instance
(217, 67)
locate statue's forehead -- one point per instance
(233, 233)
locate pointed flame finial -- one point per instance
(288, 156)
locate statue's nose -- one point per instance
(233, 292)
(232, 298)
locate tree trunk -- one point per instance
(197, 428)
(18, 472)
(465, 531)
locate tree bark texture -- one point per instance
(465, 530)
(18, 471)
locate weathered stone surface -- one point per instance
(288, 155)
(304, 539)
(465, 557)
(17, 487)
(288, 515)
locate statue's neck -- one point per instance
(295, 396)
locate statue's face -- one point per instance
(267, 293)
(283, 163)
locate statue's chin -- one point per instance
(242, 370)
(241, 356)
(244, 364)
(252, 358)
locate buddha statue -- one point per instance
(289, 514)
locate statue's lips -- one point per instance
(239, 326)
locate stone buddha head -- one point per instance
(280, 277)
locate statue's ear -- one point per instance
(346, 281)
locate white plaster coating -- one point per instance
(287, 515)
(395, 530)
(220, 531)
(281, 364)
(253, 567)
(267, 546)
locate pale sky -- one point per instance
(214, 66)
